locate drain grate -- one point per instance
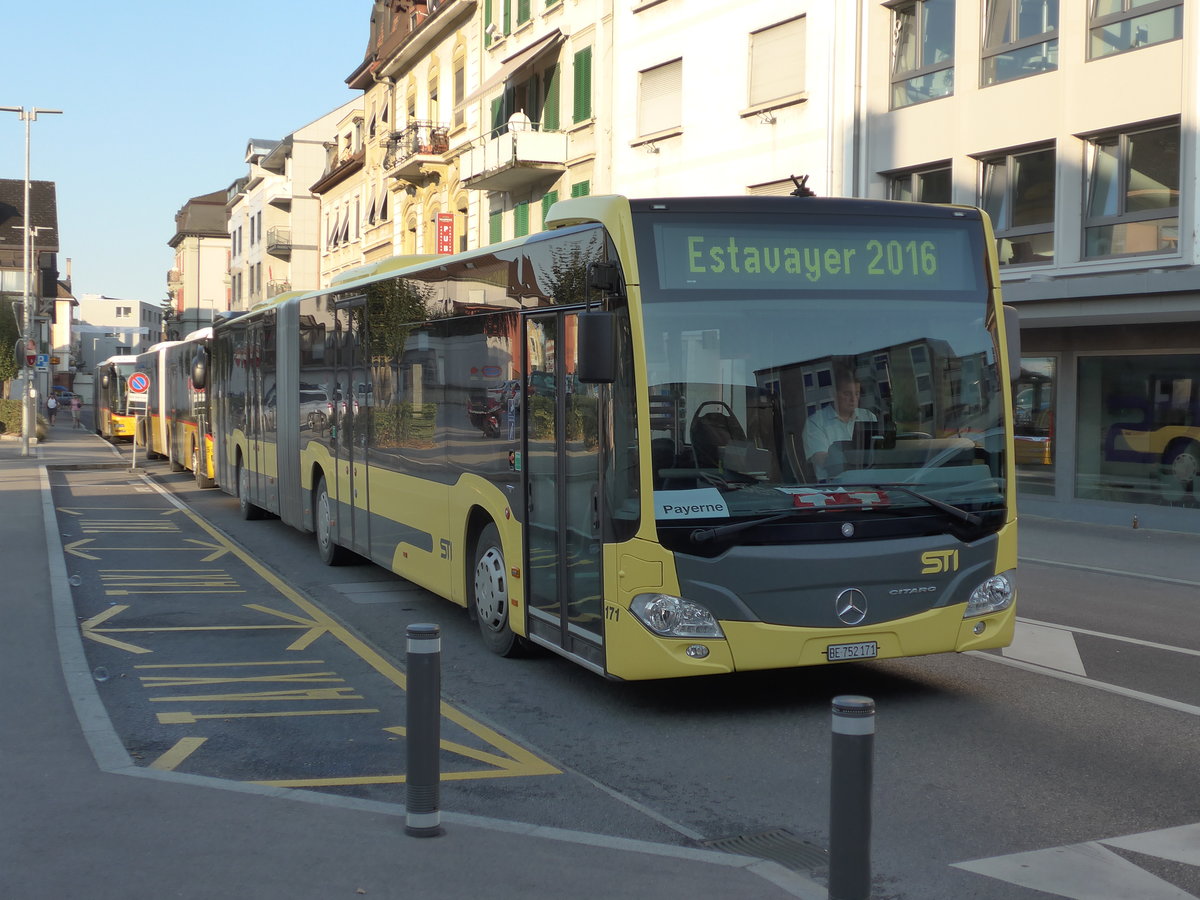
(778, 845)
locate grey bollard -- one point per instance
(423, 730)
(851, 776)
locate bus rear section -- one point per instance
(114, 420)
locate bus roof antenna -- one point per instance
(802, 188)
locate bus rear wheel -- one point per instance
(488, 583)
(1182, 468)
(331, 553)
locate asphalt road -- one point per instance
(1064, 767)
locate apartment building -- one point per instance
(197, 283)
(273, 216)
(110, 326)
(1074, 125)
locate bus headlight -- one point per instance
(993, 595)
(674, 616)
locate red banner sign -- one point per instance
(445, 232)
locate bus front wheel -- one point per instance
(331, 553)
(489, 594)
(1182, 465)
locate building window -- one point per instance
(1017, 191)
(495, 228)
(124, 312)
(548, 201)
(930, 184)
(660, 99)
(1133, 192)
(583, 85)
(460, 90)
(1033, 421)
(581, 189)
(777, 62)
(521, 219)
(1120, 25)
(523, 12)
(922, 52)
(1145, 414)
(1020, 38)
(550, 84)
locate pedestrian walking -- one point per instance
(51, 408)
(76, 408)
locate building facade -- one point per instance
(197, 285)
(1074, 125)
(274, 218)
(109, 326)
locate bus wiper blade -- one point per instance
(704, 535)
(969, 517)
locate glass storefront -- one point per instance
(1033, 433)
(1138, 435)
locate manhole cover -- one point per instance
(778, 845)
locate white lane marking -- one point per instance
(1079, 871)
(1164, 702)
(1112, 637)
(1121, 572)
(1053, 648)
(1180, 844)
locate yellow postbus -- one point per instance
(730, 433)
(176, 425)
(114, 419)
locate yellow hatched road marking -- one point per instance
(344, 693)
(187, 718)
(153, 681)
(183, 748)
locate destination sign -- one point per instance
(813, 255)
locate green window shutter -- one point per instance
(582, 189)
(548, 201)
(487, 20)
(521, 219)
(583, 84)
(550, 120)
(498, 117)
(495, 228)
(507, 17)
(523, 11)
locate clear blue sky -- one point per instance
(159, 99)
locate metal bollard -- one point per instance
(423, 731)
(851, 775)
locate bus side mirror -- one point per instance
(1012, 340)
(200, 370)
(597, 347)
(104, 381)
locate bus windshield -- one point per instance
(841, 393)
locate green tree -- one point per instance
(8, 339)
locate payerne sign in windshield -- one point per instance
(879, 255)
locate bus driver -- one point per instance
(834, 423)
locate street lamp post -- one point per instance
(29, 408)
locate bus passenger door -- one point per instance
(351, 400)
(562, 470)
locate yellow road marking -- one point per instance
(187, 718)
(524, 762)
(215, 551)
(344, 693)
(220, 665)
(153, 681)
(183, 748)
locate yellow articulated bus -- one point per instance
(176, 425)
(729, 433)
(114, 420)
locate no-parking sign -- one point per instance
(138, 383)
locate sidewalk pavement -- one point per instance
(79, 820)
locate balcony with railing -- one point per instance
(411, 152)
(515, 157)
(277, 287)
(279, 241)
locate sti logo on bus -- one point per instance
(938, 561)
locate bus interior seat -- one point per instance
(710, 431)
